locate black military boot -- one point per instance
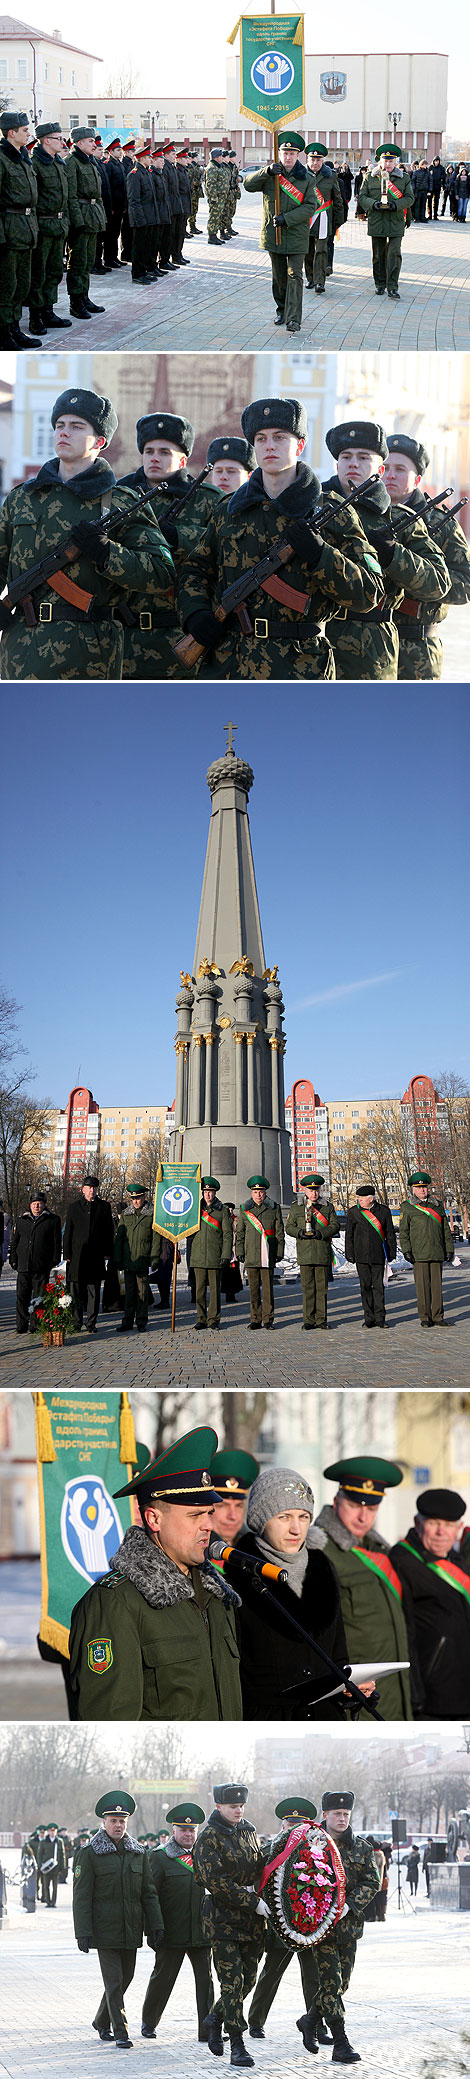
(52, 321)
(24, 340)
(78, 308)
(254, 2031)
(343, 2053)
(97, 309)
(212, 2029)
(323, 2033)
(308, 2030)
(146, 2031)
(238, 2054)
(36, 322)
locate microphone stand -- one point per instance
(364, 1703)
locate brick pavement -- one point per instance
(223, 299)
(403, 1356)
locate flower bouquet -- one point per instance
(52, 1313)
(304, 1885)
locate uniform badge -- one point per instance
(206, 1480)
(233, 1485)
(100, 1656)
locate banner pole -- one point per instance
(277, 191)
(173, 1301)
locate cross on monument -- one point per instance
(230, 729)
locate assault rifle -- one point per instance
(448, 514)
(408, 512)
(262, 577)
(49, 570)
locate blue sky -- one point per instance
(359, 824)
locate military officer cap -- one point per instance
(420, 1176)
(130, 146)
(402, 444)
(320, 151)
(210, 1183)
(364, 1479)
(165, 425)
(258, 1183)
(230, 1793)
(48, 129)
(180, 1475)
(365, 1190)
(116, 1802)
(13, 120)
(387, 151)
(233, 1473)
(136, 1190)
(84, 131)
(441, 1502)
(285, 413)
(145, 149)
(311, 1179)
(337, 1801)
(362, 433)
(295, 1808)
(186, 1814)
(99, 413)
(112, 147)
(230, 448)
(292, 137)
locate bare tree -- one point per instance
(454, 1143)
(121, 85)
(243, 1414)
(344, 1172)
(382, 1151)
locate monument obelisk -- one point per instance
(229, 1108)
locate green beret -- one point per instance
(311, 1179)
(230, 448)
(84, 131)
(285, 413)
(292, 137)
(258, 1183)
(13, 120)
(230, 1793)
(387, 151)
(362, 433)
(441, 1502)
(401, 443)
(364, 1479)
(116, 1801)
(48, 129)
(210, 1183)
(193, 1814)
(165, 425)
(295, 1808)
(98, 411)
(180, 1474)
(320, 150)
(233, 1473)
(337, 1801)
(420, 1176)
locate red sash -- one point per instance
(297, 194)
(445, 1568)
(210, 1219)
(431, 1211)
(381, 1565)
(373, 1222)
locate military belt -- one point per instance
(281, 631)
(147, 622)
(418, 632)
(58, 610)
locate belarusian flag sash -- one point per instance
(380, 1564)
(296, 194)
(375, 1223)
(396, 191)
(322, 213)
(431, 1211)
(317, 1215)
(445, 1568)
(263, 1232)
(210, 1219)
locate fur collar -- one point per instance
(377, 501)
(330, 1522)
(157, 1578)
(90, 483)
(103, 1845)
(295, 502)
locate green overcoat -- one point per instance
(18, 199)
(295, 233)
(132, 1657)
(53, 201)
(315, 1247)
(136, 1242)
(85, 194)
(114, 1899)
(373, 1616)
(179, 1898)
(212, 1244)
(422, 1238)
(387, 223)
(248, 1238)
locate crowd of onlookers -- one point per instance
(433, 186)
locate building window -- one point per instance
(61, 75)
(3, 69)
(73, 79)
(91, 120)
(46, 71)
(21, 68)
(41, 436)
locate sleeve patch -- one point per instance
(99, 1656)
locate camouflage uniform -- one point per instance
(320, 1971)
(316, 259)
(283, 643)
(18, 230)
(367, 648)
(197, 189)
(66, 643)
(149, 652)
(217, 179)
(228, 1861)
(420, 643)
(386, 228)
(362, 1883)
(233, 197)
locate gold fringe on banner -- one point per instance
(299, 34)
(127, 1443)
(231, 39)
(45, 1448)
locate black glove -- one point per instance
(84, 1945)
(391, 204)
(91, 544)
(385, 544)
(169, 531)
(204, 627)
(5, 614)
(280, 219)
(273, 167)
(307, 544)
(155, 1941)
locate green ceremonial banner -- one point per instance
(177, 1208)
(85, 1448)
(272, 68)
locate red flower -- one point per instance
(39, 1313)
(49, 1288)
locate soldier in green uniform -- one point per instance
(87, 217)
(327, 218)
(362, 1883)
(420, 643)
(114, 1905)
(332, 563)
(228, 1859)
(197, 189)
(366, 646)
(217, 185)
(78, 632)
(155, 1638)
(165, 441)
(313, 1227)
(231, 461)
(232, 1475)
(426, 1240)
(298, 200)
(387, 201)
(137, 1248)
(259, 1243)
(375, 1619)
(211, 1247)
(180, 1903)
(234, 193)
(47, 261)
(18, 227)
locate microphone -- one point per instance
(226, 1553)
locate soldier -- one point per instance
(420, 643)
(87, 216)
(180, 1903)
(184, 187)
(128, 161)
(426, 1240)
(217, 185)
(367, 647)
(232, 1475)
(370, 1242)
(47, 260)
(387, 201)
(36, 1246)
(114, 1904)
(156, 1637)
(143, 219)
(197, 189)
(313, 1227)
(231, 462)
(88, 1242)
(228, 1859)
(278, 1957)
(165, 441)
(362, 1883)
(136, 1250)
(435, 1574)
(374, 1619)
(298, 197)
(328, 215)
(234, 194)
(52, 1863)
(259, 1243)
(211, 1247)
(117, 183)
(18, 227)
(71, 492)
(334, 564)
(174, 201)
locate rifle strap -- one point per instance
(286, 594)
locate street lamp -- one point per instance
(394, 117)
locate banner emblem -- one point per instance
(333, 86)
(99, 1656)
(272, 72)
(90, 1528)
(177, 1200)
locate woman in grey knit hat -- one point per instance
(273, 1659)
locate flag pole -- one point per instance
(277, 191)
(173, 1300)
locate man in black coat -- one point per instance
(164, 215)
(36, 1246)
(436, 180)
(100, 265)
(174, 200)
(142, 209)
(184, 185)
(88, 1240)
(370, 1242)
(118, 189)
(438, 1579)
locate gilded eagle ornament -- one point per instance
(242, 967)
(207, 967)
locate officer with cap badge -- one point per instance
(232, 1475)
(366, 645)
(433, 1563)
(339, 1949)
(420, 643)
(180, 1902)
(375, 1612)
(211, 1247)
(328, 216)
(114, 1905)
(137, 1249)
(259, 1243)
(313, 1227)
(18, 226)
(387, 201)
(370, 1242)
(278, 1957)
(165, 441)
(298, 202)
(426, 1240)
(73, 627)
(228, 1860)
(87, 218)
(282, 634)
(155, 1638)
(47, 259)
(231, 460)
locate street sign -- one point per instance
(422, 1475)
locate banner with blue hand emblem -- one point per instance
(177, 1207)
(272, 68)
(85, 1449)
